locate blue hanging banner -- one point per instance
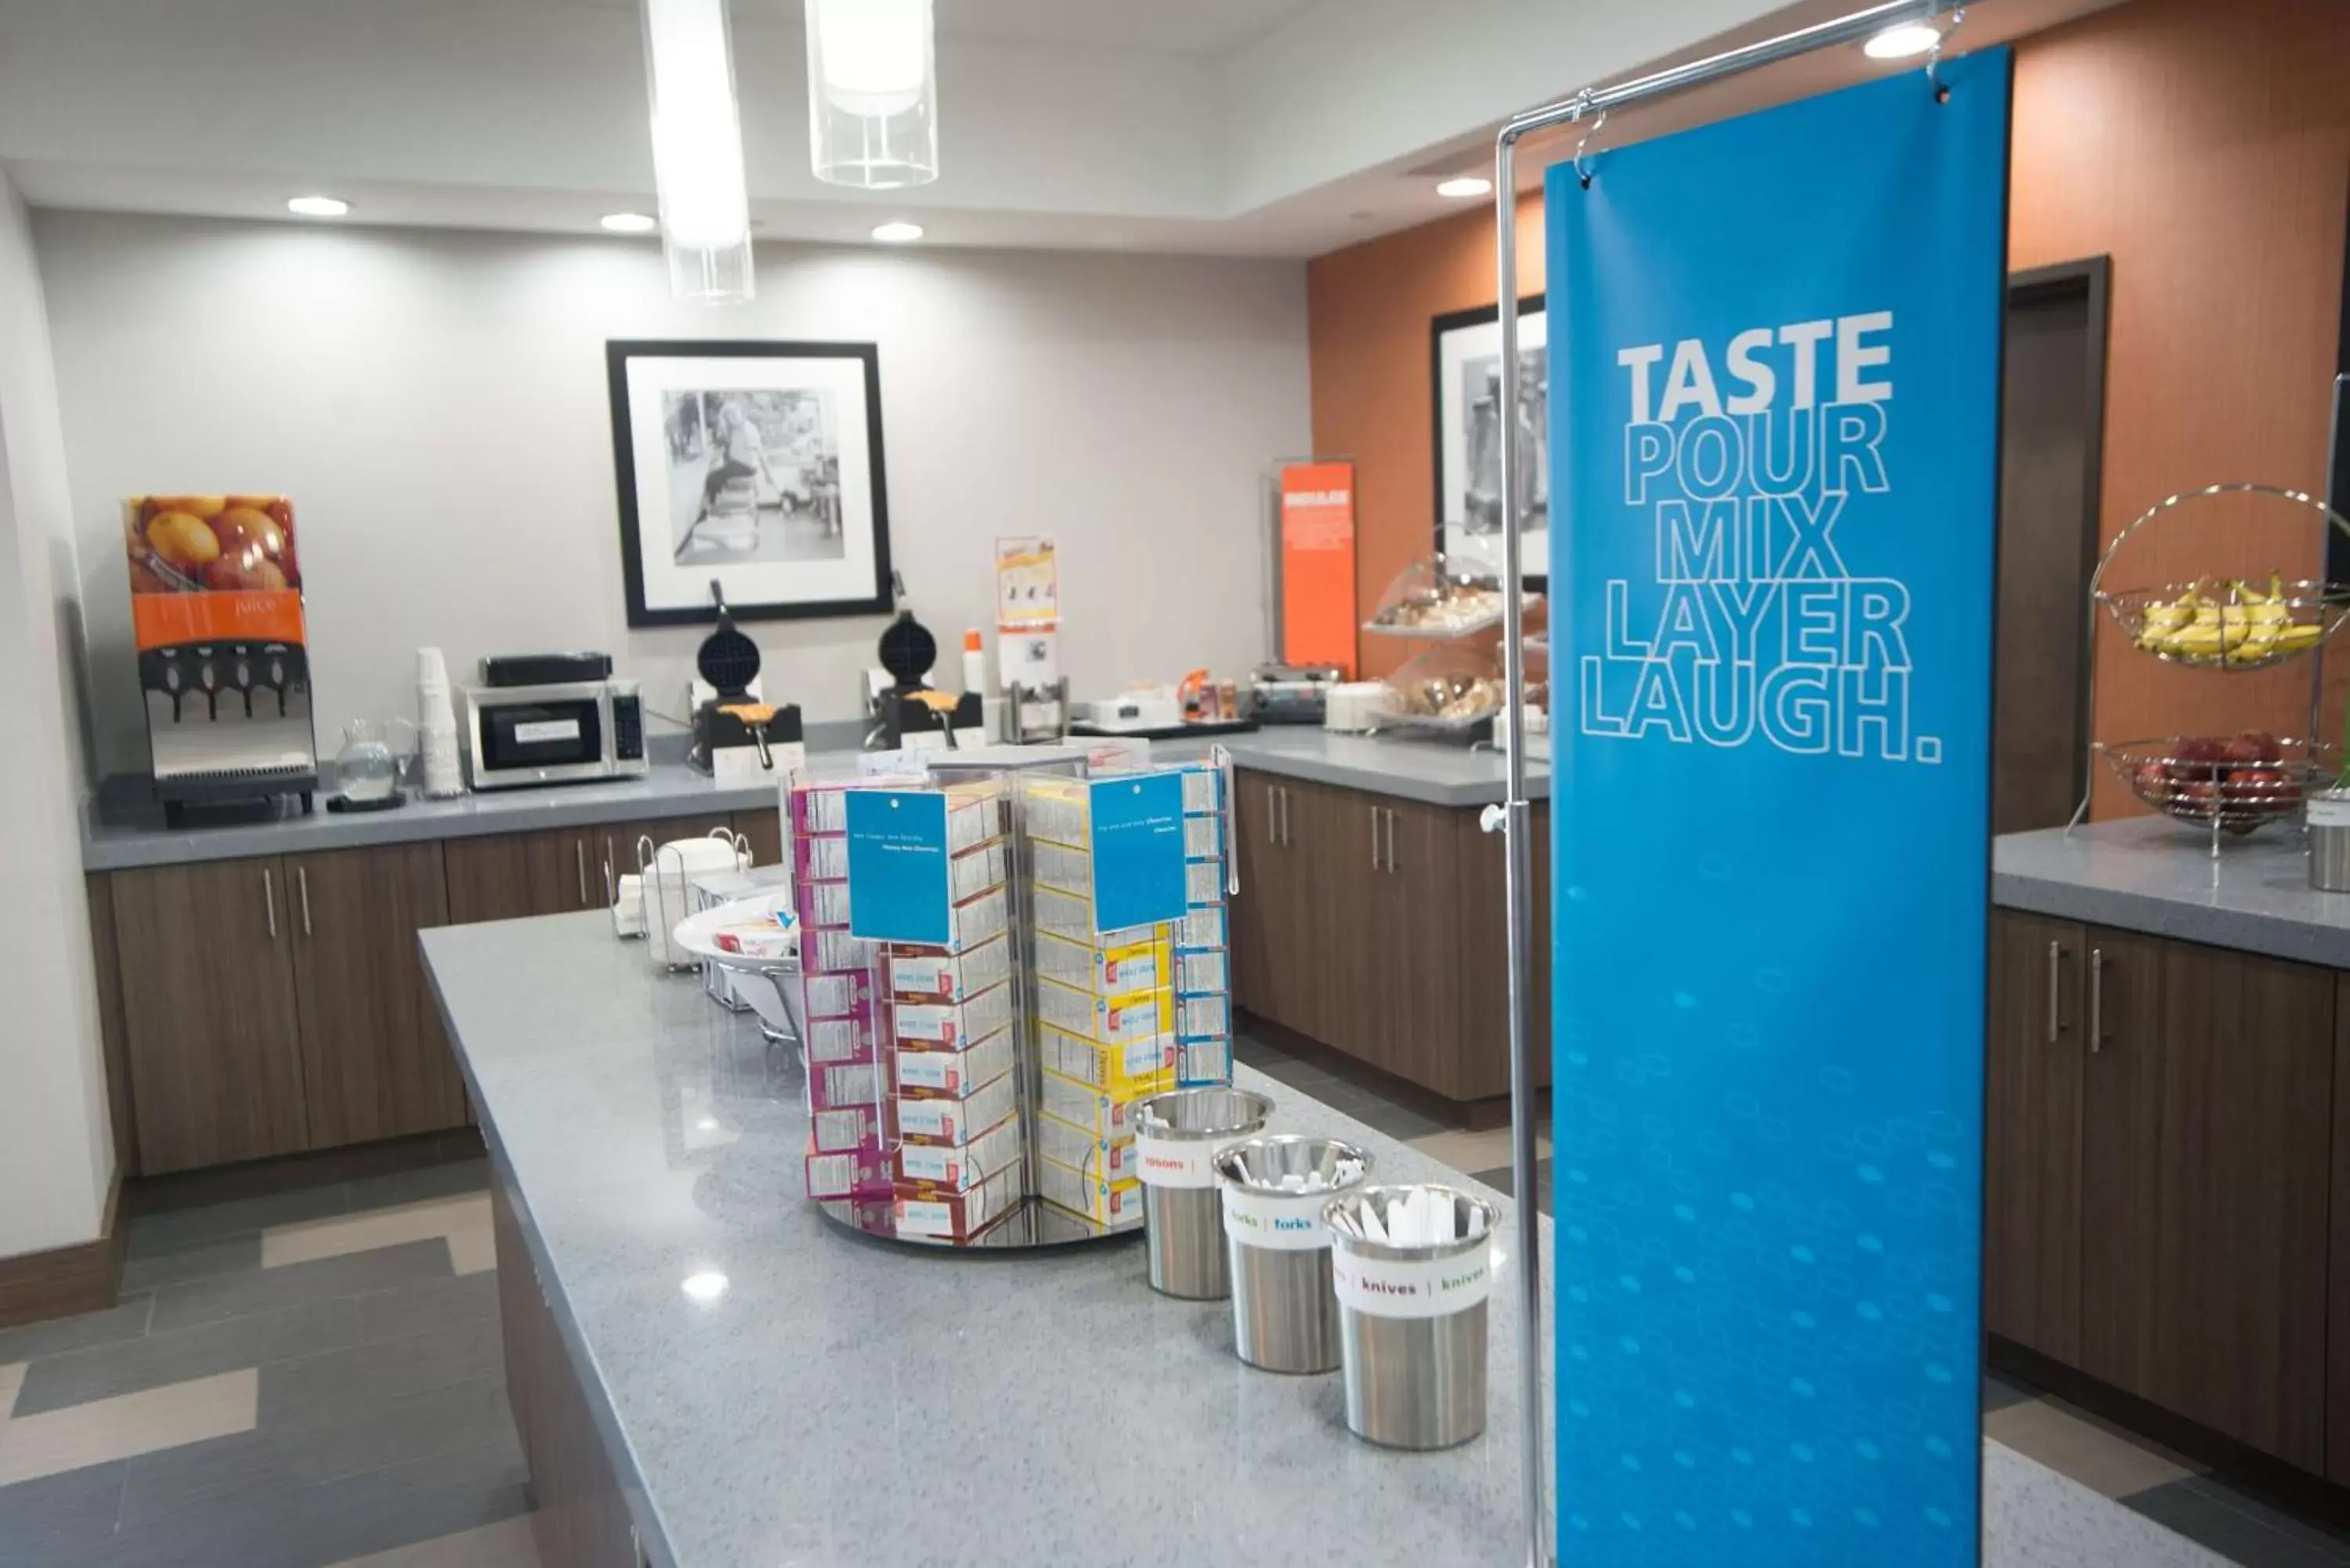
(1137, 832)
(1777, 346)
(897, 889)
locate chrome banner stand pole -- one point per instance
(1515, 818)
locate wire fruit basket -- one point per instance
(2231, 783)
(2231, 626)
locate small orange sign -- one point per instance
(1317, 564)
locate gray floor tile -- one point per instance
(1396, 1121)
(179, 1228)
(61, 1513)
(416, 1309)
(1998, 1393)
(127, 1319)
(297, 1284)
(257, 1465)
(329, 1522)
(421, 1185)
(2208, 1521)
(102, 1371)
(1502, 1178)
(2332, 1543)
(201, 1261)
(341, 1384)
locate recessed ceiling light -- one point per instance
(706, 1286)
(1464, 186)
(631, 222)
(899, 234)
(319, 206)
(1901, 41)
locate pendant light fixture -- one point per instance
(872, 93)
(705, 209)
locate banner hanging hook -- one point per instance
(1934, 56)
(1582, 169)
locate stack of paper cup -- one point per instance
(436, 727)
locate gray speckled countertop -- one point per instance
(1436, 773)
(2152, 875)
(1439, 775)
(1051, 1409)
(671, 789)
(1054, 1409)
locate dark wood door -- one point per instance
(1277, 823)
(212, 1034)
(1485, 960)
(764, 830)
(513, 876)
(1415, 1026)
(2051, 434)
(2032, 1133)
(2244, 1132)
(2337, 1296)
(1354, 985)
(2121, 1156)
(375, 1062)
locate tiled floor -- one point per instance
(2143, 1475)
(313, 1380)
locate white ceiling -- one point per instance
(1245, 127)
(1201, 28)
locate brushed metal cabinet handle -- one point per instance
(1390, 811)
(2056, 997)
(301, 881)
(269, 901)
(579, 863)
(1375, 839)
(1273, 815)
(2096, 999)
(611, 873)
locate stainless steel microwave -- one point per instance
(517, 736)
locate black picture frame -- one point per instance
(1439, 328)
(881, 597)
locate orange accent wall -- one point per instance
(2205, 148)
(1368, 313)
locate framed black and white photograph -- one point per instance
(757, 465)
(1465, 355)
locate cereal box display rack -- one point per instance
(974, 1038)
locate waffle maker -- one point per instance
(910, 711)
(735, 732)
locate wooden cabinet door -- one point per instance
(513, 876)
(1351, 989)
(2121, 1157)
(2240, 1130)
(1276, 825)
(1414, 1026)
(210, 1032)
(2337, 1296)
(763, 830)
(375, 1063)
(2033, 1054)
(1485, 954)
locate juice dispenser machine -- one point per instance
(224, 665)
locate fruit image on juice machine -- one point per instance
(907, 711)
(223, 666)
(736, 732)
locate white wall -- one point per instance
(56, 1151)
(435, 404)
